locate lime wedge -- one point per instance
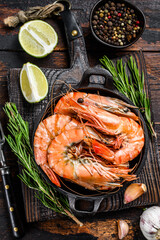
(33, 83)
(37, 38)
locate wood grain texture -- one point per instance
(148, 175)
(150, 40)
(11, 56)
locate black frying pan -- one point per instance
(79, 62)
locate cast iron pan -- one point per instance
(74, 192)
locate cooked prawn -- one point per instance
(81, 168)
(129, 132)
(81, 100)
(47, 130)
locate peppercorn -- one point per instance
(95, 17)
(106, 5)
(129, 37)
(101, 15)
(115, 23)
(129, 28)
(110, 23)
(94, 22)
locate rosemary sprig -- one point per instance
(131, 85)
(19, 142)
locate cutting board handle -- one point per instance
(75, 40)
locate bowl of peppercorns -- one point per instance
(116, 24)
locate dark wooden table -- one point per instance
(102, 226)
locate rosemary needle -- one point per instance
(19, 142)
(132, 85)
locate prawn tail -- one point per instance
(51, 175)
(103, 151)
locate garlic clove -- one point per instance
(123, 229)
(134, 191)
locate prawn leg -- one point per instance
(51, 175)
(103, 151)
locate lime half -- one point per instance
(33, 83)
(38, 38)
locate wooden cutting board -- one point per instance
(150, 174)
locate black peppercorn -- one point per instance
(110, 24)
(129, 28)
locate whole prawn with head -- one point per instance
(70, 156)
(46, 131)
(110, 116)
(63, 147)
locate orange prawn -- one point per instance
(81, 100)
(47, 130)
(128, 131)
(81, 168)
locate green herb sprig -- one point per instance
(132, 85)
(19, 142)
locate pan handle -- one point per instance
(98, 71)
(80, 213)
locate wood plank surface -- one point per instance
(101, 226)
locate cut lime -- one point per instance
(33, 82)
(38, 38)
